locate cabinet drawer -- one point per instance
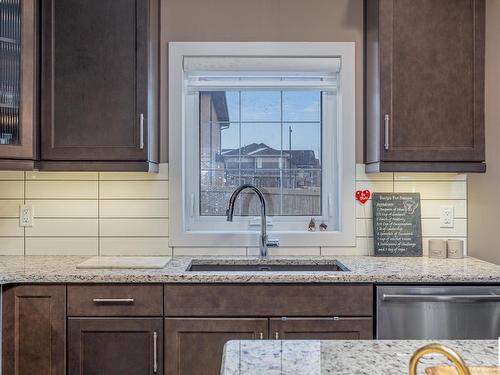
(115, 300)
(268, 300)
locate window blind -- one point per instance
(261, 73)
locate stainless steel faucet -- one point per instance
(264, 242)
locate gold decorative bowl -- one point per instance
(459, 368)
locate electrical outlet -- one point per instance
(26, 215)
(446, 217)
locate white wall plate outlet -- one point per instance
(26, 214)
(446, 217)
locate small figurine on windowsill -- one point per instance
(312, 225)
(323, 227)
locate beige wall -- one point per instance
(263, 20)
(484, 223)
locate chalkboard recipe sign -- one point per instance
(397, 227)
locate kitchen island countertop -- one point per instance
(362, 269)
(339, 357)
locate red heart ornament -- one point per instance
(363, 195)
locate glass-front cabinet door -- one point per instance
(18, 75)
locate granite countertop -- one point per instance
(363, 269)
(274, 357)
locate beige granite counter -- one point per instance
(363, 269)
(388, 357)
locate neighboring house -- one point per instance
(263, 166)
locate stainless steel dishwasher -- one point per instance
(438, 312)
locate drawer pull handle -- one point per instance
(121, 301)
(155, 352)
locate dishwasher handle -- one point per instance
(457, 298)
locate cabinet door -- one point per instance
(94, 80)
(432, 80)
(321, 328)
(18, 80)
(115, 346)
(34, 330)
(195, 346)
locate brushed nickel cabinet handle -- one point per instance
(124, 301)
(155, 352)
(141, 135)
(386, 131)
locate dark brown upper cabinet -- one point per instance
(99, 85)
(424, 85)
(18, 83)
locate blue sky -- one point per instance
(301, 113)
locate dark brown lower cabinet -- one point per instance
(321, 328)
(34, 330)
(194, 346)
(115, 346)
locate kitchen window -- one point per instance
(279, 116)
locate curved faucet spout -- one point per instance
(263, 226)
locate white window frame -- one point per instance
(182, 205)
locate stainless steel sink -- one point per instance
(267, 266)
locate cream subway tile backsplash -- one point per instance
(133, 189)
(430, 208)
(134, 227)
(364, 246)
(61, 189)
(62, 176)
(107, 213)
(374, 185)
(10, 228)
(11, 175)
(65, 208)
(120, 246)
(62, 246)
(11, 189)
(430, 228)
(63, 228)
(10, 208)
(434, 189)
(138, 208)
(202, 251)
(11, 245)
